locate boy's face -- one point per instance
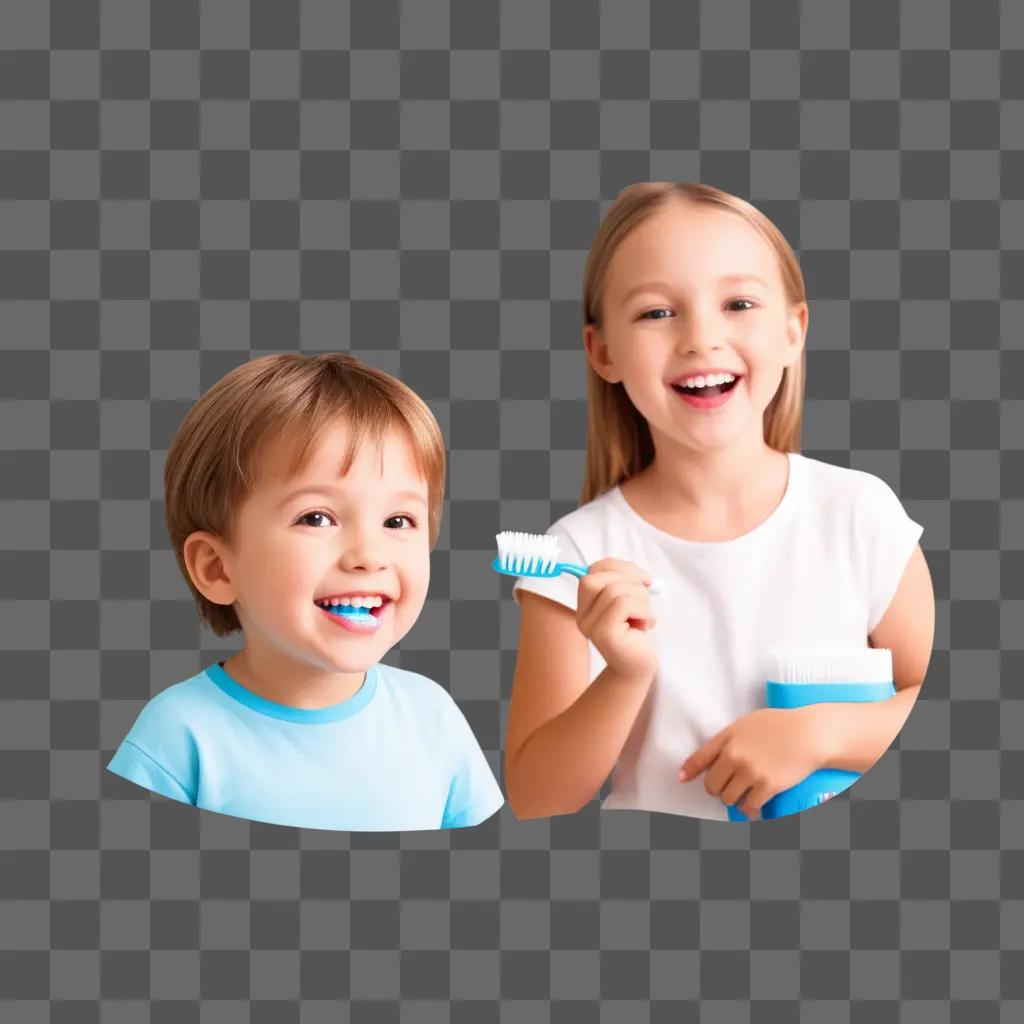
(364, 535)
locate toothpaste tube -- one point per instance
(818, 676)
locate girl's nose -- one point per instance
(697, 336)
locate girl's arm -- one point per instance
(563, 736)
(855, 736)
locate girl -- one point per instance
(695, 317)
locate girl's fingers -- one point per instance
(757, 797)
(624, 613)
(735, 790)
(639, 606)
(719, 775)
(591, 587)
(618, 565)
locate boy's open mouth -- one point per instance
(355, 606)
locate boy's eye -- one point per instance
(309, 515)
(391, 519)
(650, 312)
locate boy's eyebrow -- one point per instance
(724, 279)
(326, 489)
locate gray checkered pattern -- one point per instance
(186, 186)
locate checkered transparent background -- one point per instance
(184, 187)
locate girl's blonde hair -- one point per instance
(619, 442)
(213, 461)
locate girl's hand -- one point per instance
(757, 756)
(613, 611)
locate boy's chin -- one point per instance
(395, 619)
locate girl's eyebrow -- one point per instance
(724, 279)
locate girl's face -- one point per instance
(695, 291)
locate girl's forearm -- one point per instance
(564, 763)
(854, 736)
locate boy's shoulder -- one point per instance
(409, 685)
(425, 697)
(175, 711)
(179, 700)
(161, 749)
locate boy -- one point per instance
(303, 496)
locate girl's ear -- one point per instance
(796, 332)
(598, 355)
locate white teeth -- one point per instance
(359, 601)
(702, 381)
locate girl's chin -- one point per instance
(708, 429)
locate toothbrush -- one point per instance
(537, 555)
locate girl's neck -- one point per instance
(722, 481)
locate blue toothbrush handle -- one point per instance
(579, 571)
(569, 567)
(656, 587)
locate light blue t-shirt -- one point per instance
(398, 755)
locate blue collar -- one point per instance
(304, 716)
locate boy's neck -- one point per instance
(308, 690)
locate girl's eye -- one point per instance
(309, 515)
(408, 519)
(650, 314)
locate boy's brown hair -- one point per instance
(213, 460)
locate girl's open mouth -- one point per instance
(708, 397)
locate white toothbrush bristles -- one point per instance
(527, 554)
(829, 665)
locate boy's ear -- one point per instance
(796, 332)
(597, 354)
(205, 557)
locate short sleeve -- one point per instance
(135, 765)
(561, 588)
(473, 794)
(159, 753)
(888, 537)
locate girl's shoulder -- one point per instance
(844, 488)
(595, 514)
(585, 530)
(813, 479)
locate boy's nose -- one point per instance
(362, 562)
(363, 553)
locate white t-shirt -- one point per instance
(820, 571)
